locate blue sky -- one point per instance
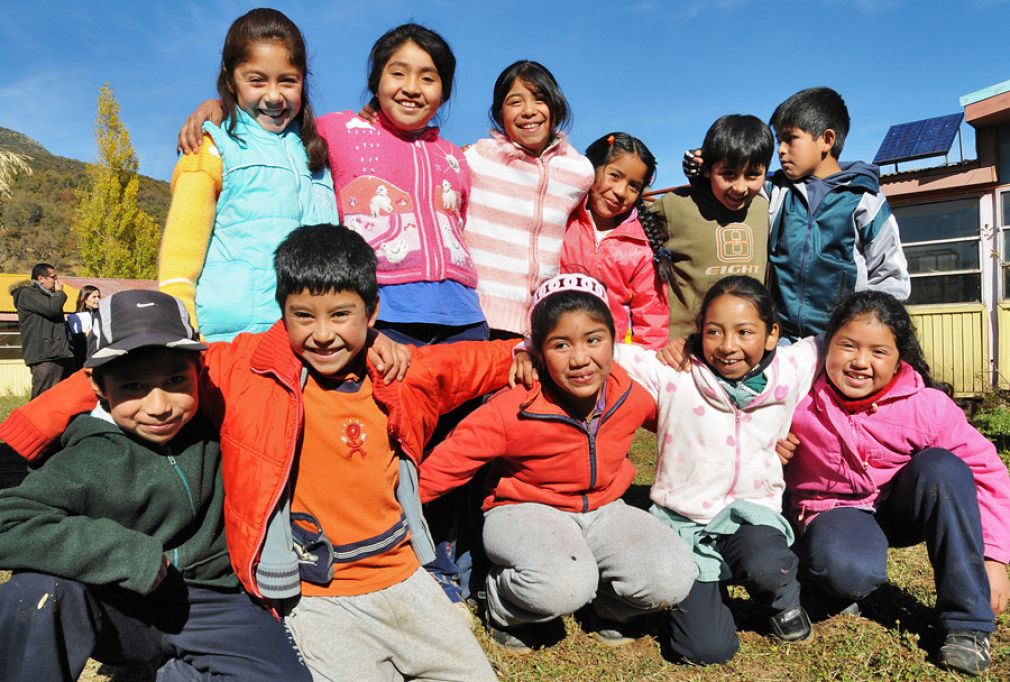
(661, 70)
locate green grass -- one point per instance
(895, 639)
(9, 401)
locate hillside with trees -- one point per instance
(35, 218)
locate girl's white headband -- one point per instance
(570, 282)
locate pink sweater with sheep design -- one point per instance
(407, 196)
(712, 453)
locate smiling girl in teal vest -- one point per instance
(255, 178)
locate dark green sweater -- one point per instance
(105, 508)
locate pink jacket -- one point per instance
(407, 197)
(623, 262)
(847, 460)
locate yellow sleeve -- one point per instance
(196, 185)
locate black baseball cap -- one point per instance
(138, 318)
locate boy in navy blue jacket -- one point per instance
(832, 230)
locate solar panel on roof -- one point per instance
(919, 139)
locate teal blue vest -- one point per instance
(267, 191)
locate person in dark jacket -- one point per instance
(45, 341)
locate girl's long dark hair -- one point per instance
(269, 25)
(600, 153)
(889, 311)
(82, 296)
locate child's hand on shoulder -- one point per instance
(392, 359)
(369, 112)
(673, 355)
(692, 163)
(191, 133)
(786, 448)
(999, 585)
(522, 370)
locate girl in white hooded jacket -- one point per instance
(719, 481)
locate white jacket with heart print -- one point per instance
(711, 452)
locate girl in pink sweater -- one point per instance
(886, 458)
(406, 190)
(616, 240)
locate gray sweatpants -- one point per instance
(409, 631)
(548, 563)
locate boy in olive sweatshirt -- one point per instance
(117, 541)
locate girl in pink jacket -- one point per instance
(886, 458)
(616, 240)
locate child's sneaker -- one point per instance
(966, 651)
(516, 639)
(792, 626)
(608, 632)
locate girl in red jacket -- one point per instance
(555, 528)
(616, 240)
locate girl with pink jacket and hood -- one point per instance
(886, 458)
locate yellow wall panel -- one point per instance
(1003, 349)
(955, 341)
(15, 377)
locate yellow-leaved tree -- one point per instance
(116, 237)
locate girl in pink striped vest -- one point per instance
(527, 180)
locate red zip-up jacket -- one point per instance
(623, 262)
(251, 389)
(540, 453)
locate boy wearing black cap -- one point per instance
(118, 541)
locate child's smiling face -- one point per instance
(329, 330)
(410, 88)
(735, 188)
(151, 393)
(617, 187)
(526, 117)
(268, 86)
(578, 354)
(862, 357)
(734, 338)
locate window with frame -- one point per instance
(942, 242)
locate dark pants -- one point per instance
(51, 626)
(47, 374)
(932, 498)
(702, 629)
(449, 516)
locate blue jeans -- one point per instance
(702, 628)
(932, 499)
(51, 626)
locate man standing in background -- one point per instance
(45, 343)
